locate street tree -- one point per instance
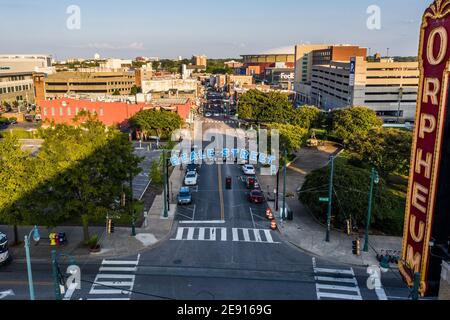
(354, 122)
(264, 107)
(307, 117)
(291, 137)
(155, 122)
(389, 150)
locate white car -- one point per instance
(191, 178)
(208, 114)
(216, 114)
(248, 169)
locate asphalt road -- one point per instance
(221, 247)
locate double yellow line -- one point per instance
(222, 205)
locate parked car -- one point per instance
(248, 169)
(191, 178)
(256, 196)
(184, 196)
(208, 114)
(192, 167)
(216, 114)
(5, 256)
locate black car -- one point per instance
(192, 167)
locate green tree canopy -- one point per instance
(265, 107)
(156, 122)
(291, 137)
(307, 117)
(389, 150)
(354, 122)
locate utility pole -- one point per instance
(277, 199)
(330, 199)
(55, 276)
(167, 184)
(373, 179)
(166, 214)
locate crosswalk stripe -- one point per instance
(190, 235)
(333, 279)
(268, 236)
(201, 235)
(109, 291)
(180, 234)
(108, 299)
(111, 262)
(246, 235)
(223, 234)
(114, 276)
(338, 296)
(235, 235)
(123, 269)
(338, 288)
(335, 271)
(212, 234)
(113, 284)
(257, 235)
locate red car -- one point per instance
(256, 196)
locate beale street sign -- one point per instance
(432, 105)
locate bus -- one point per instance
(5, 256)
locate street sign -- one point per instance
(324, 199)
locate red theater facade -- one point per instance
(427, 220)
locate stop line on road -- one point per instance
(213, 234)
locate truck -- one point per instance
(184, 196)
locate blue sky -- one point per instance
(227, 28)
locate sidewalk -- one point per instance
(305, 231)
(155, 229)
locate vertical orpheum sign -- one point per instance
(434, 57)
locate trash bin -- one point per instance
(290, 215)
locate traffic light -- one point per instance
(110, 226)
(356, 247)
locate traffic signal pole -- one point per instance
(166, 214)
(369, 211)
(133, 226)
(330, 199)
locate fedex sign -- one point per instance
(426, 163)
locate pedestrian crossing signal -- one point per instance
(110, 226)
(356, 247)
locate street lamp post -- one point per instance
(330, 199)
(374, 179)
(132, 212)
(36, 238)
(166, 214)
(284, 185)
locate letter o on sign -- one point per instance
(442, 48)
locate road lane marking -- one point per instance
(180, 234)
(190, 235)
(235, 235)
(223, 233)
(201, 235)
(222, 205)
(331, 285)
(246, 235)
(110, 262)
(257, 235)
(212, 234)
(123, 269)
(268, 236)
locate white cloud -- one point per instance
(106, 45)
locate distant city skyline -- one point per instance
(127, 29)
